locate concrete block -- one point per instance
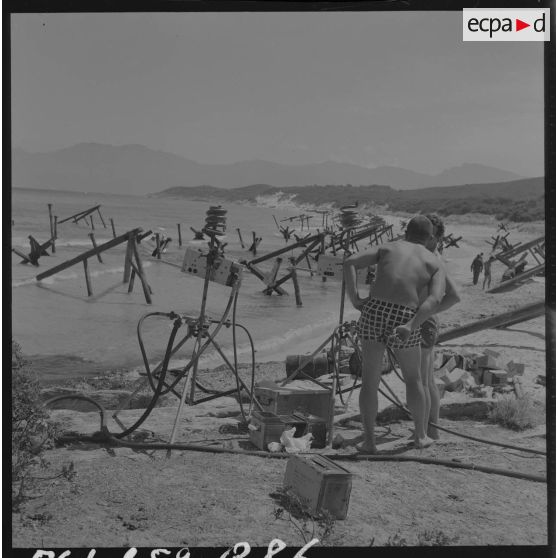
(468, 380)
(448, 366)
(490, 359)
(495, 377)
(515, 368)
(454, 379)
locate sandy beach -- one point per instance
(197, 498)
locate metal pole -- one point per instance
(192, 375)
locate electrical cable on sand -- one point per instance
(114, 440)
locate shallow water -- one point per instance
(54, 317)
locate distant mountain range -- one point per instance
(135, 169)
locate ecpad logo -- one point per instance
(527, 24)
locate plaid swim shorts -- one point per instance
(378, 320)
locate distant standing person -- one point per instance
(487, 273)
(476, 268)
(429, 336)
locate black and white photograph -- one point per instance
(278, 278)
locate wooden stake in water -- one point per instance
(92, 237)
(113, 229)
(92, 224)
(240, 237)
(87, 277)
(55, 234)
(52, 233)
(179, 235)
(296, 286)
(101, 217)
(128, 259)
(158, 245)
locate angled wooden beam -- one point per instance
(101, 217)
(261, 276)
(518, 248)
(26, 259)
(94, 242)
(522, 314)
(93, 252)
(270, 282)
(80, 214)
(517, 279)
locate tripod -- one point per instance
(203, 331)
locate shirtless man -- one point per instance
(429, 334)
(408, 288)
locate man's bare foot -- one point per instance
(424, 442)
(364, 447)
(432, 432)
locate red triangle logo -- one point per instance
(519, 25)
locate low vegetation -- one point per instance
(309, 525)
(32, 432)
(516, 414)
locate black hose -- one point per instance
(160, 384)
(170, 387)
(113, 439)
(234, 325)
(82, 398)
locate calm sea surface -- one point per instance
(55, 318)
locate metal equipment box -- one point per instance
(223, 271)
(320, 483)
(303, 397)
(264, 428)
(305, 422)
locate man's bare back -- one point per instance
(403, 273)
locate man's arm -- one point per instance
(450, 298)
(428, 307)
(350, 267)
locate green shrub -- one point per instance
(516, 414)
(31, 431)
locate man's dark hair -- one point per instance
(419, 229)
(437, 224)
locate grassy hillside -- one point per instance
(519, 200)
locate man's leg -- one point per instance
(425, 363)
(434, 396)
(410, 361)
(372, 355)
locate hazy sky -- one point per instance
(363, 87)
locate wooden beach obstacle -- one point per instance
(132, 262)
(313, 246)
(82, 215)
(449, 241)
(37, 250)
(198, 235)
(272, 283)
(255, 243)
(516, 272)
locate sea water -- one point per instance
(55, 317)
